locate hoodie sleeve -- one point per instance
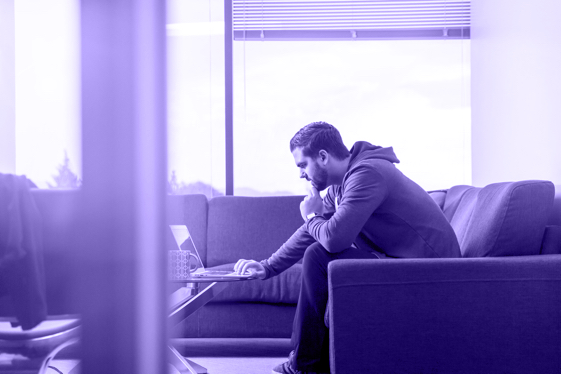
(289, 253)
(293, 250)
(364, 190)
(329, 202)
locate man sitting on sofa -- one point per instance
(371, 211)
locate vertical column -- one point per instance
(7, 88)
(124, 176)
(515, 90)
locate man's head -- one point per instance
(320, 154)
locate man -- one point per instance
(371, 211)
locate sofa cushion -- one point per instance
(439, 196)
(501, 219)
(283, 288)
(238, 320)
(249, 227)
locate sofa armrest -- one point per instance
(465, 315)
(551, 243)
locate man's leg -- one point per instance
(310, 336)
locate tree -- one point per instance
(181, 188)
(65, 177)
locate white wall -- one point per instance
(516, 90)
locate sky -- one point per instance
(412, 95)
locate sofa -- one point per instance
(497, 309)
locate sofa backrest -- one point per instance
(250, 227)
(501, 219)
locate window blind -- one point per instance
(350, 19)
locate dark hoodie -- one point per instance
(375, 208)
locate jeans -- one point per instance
(310, 336)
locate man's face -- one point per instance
(310, 169)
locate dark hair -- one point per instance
(317, 136)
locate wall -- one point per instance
(516, 90)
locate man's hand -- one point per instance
(250, 266)
(313, 203)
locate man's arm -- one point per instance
(286, 256)
(364, 191)
(329, 207)
(290, 252)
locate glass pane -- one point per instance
(196, 142)
(409, 94)
(47, 92)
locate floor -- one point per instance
(214, 365)
(237, 365)
(218, 356)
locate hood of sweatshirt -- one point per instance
(366, 151)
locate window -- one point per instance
(196, 97)
(391, 73)
(46, 91)
(412, 95)
(396, 84)
(380, 72)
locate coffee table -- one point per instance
(194, 294)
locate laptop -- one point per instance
(185, 242)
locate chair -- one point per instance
(37, 316)
(31, 351)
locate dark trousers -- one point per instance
(310, 336)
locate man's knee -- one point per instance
(315, 252)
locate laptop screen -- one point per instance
(185, 242)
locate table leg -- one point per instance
(184, 365)
(184, 302)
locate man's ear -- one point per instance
(323, 156)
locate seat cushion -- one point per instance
(238, 320)
(501, 219)
(283, 288)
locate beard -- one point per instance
(319, 181)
